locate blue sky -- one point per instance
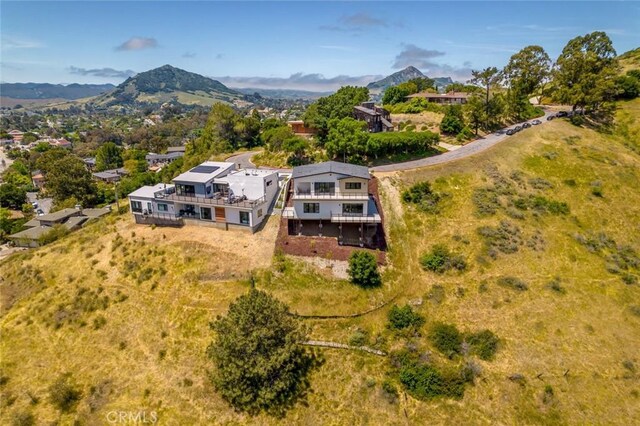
(302, 45)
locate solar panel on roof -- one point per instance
(204, 169)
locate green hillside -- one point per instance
(125, 308)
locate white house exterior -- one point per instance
(333, 199)
(211, 194)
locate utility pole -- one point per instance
(117, 205)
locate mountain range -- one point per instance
(406, 74)
(52, 91)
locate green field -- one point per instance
(575, 329)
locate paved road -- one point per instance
(243, 160)
(43, 203)
(465, 151)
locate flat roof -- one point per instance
(150, 191)
(205, 172)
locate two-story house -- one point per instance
(378, 119)
(211, 194)
(333, 199)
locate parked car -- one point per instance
(40, 212)
(526, 125)
(536, 122)
(562, 114)
(551, 117)
(500, 132)
(510, 132)
(517, 128)
(34, 204)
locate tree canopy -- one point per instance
(108, 157)
(363, 269)
(336, 106)
(69, 178)
(585, 72)
(260, 364)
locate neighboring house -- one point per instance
(378, 119)
(451, 98)
(60, 143)
(180, 148)
(17, 135)
(333, 199)
(169, 157)
(38, 179)
(72, 219)
(110, 176)
(211, 194)
(300, 129)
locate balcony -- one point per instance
(308, 195)
(217, 200)
(355, 218)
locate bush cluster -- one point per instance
(404, 317)
(542, 204)
(408, 142)
(505, 238)
(64, 394)
(363, 269)
(440, 259)
(513, 283)
(422, 196)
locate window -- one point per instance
(353, 185)
(149, 209)
(186, 190)
(205, 213)
(311, 207)
(259, 212)
(136, 206)
(352, 208)
(324, 187)
(269, 182)
(163, 207)
(244, 218)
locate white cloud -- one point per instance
(138, 43)
(299, 81)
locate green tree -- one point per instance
(627, 86)
(28, 138)
(486, 78)
(45, 162)
(395, 95)
(347, 137)
(336, 106)
(12, 196)
(108, 157)
(453, 121)
(260, 364)
(363, 269)
(585, 72)
(528, 71)
(68, 177)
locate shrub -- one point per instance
(505, 238)
(486, 201)
(64, 394)
(404, 317)
(422, 196)
(424, 381)
(23, 418)
(484, 344)
(259, 361)
(390, 391)
(513, 283)
(554, 285)
(358, 338)
(440, 259)
(363, 269)
(407, 142)
(446, 338)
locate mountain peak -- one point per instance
(396, 78)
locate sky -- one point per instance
(308, 45)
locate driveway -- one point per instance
(243, 161)
(465, 151)
(43, 203)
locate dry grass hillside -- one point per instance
(125, 308)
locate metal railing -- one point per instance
(222, 201)
(308, 195)
(355, 218)
(164, 216)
